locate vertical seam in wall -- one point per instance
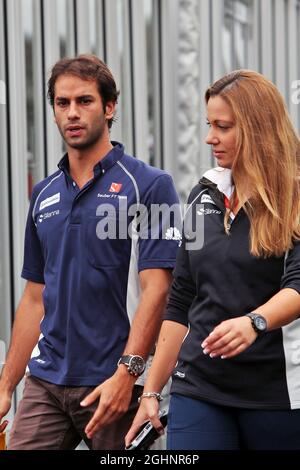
(287, 53)
(211, 42)
(298, 64)
(259, 34)
(43, 72)
(234, 58)
(160, 71)
(75, 27)
(104, 31)
(132, 75)
(9, 169)
(273, 33)
(9, 176)
(211, 68)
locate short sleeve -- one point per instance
(291, 276)
(33, 261)
(183, 290)
(160, 228)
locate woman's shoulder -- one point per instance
(220, 177)
(213, 178)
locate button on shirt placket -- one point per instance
(75, 215)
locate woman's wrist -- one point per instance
(155, 395)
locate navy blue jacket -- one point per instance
(222, 280)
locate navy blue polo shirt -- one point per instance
(88, 248)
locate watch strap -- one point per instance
(125, 359)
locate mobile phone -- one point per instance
(147, 434)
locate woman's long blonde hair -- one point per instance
(266, 167)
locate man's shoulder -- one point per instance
(142, 171)
(43, 184)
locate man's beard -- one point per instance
(94, 137)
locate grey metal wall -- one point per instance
(215, 37)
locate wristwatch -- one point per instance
(135, 364)
(259, 323)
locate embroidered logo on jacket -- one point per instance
(181, 375)
(49, 201)
(47, 215)
(115, 187)
(208, 212)
(206, 198)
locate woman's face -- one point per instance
(222, 134)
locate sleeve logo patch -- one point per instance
(50, 201)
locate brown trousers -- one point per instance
(49, 417)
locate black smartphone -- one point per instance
(147, 434)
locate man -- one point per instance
(95, 292)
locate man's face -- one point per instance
(78, 111)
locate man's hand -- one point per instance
(5, 404)
(229, 338)
(114, 398)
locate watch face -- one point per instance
(136, 365)
(260, 323)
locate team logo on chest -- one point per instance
(206, 199)
(115, 187)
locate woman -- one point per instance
(231, 333)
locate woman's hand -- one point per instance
(148, 410)
(229, 338)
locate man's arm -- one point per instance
(115, 393)
(25, 335)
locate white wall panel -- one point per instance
(255, 49)
(267, 39)
(99, 22)
(205, 80)
(51, 55)
(189, 97)
(38, 87)
(294, 58)
(82, 24)
(216, 23)
(169, 29)
(140, 91)
(70, 28)
(112, 55)
(5, 272)
(281, 56)
(18, 142)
